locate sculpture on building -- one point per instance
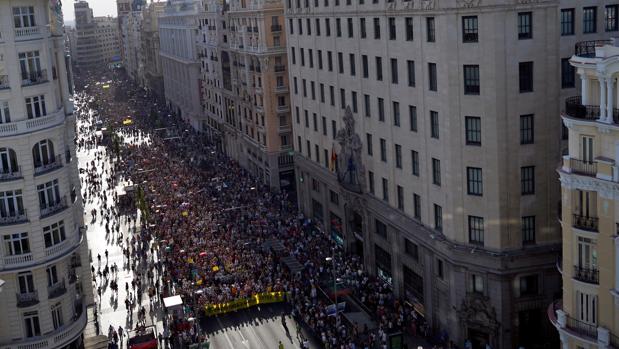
(348, 165)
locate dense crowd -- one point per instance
(204, 221)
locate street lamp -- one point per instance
(335, 280)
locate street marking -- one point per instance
(225, 333)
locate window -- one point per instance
(57, 319)
(528, 230)
(567, 21)
(383, 264)
(469, 29)
(471, 79)
(525, 74)
(400, 195)
(325, 153)
(385, 190)
(354, 102)
(473, 130)
(333, 129)
(476, 284)
(417, 206)
(586, 307)
(350, 29)
(392, 32)
(315, 185)
(366, 103)
(362, 28)
(529, 285)
(324, 126)
(436, 172)
(396, 113)
(54, 234)
(383, 150)
(525, 25)
(364, 63)
(351, 60)
(379, 69)
(329, 61)
(568, 74)
(368, 142)
(23, 17)
(49, 194)
(11, 204)
(432, 76)
(315, 120)
(338, 27)
(527, 134)
(410, 65)
(322, 93)
(409, 28)
(438, 217)
(527, 180)
(25, 282)
(415, 162)
(282, 99)
(611, 18)
(328, 27)
(474, 181)
(381, 109)
(394, 71)
(31, 324)
(340, 63)
(35, 107)
(310, 56)
(334, 197)
(317, 152)
(317, 26)
(302, 54)
(8, 161)
(294, 56)
(332, 95)
(440, 269)
(589, 20)
(476, 230)
(16, 244)
(343, 98)
(411, 249)
(371, 182)
(30, 67)
(376, 28)
(306, 118)
(304, 85)
(398, 156)
(430, 30)
(434, 126)
(5, 114)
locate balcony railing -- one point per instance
(587, 168)
(15, 260)
(27, 299)
(280, 68)
(581, 327)
(54, 207)
(585, 222)
(283, 108)
(276, 28)
(586, 49)
(15, 218)
(31, 125)
(34, 78)
(4, 82)
(10, 175)
(588, 275)
(52, 164)
(57, 289)
(27, 33)
(575, 109)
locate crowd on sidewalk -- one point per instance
(203, 223)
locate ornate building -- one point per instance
(42, 246)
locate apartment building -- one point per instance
(586, 316)
(178, 27)
(97, 38)
(242, 49)
(131, 32)
(43, 252)
(152, 78)
(426, 142)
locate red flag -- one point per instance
(333, 159)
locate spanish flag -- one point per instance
(333, 163)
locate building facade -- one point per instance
(245, 86)
(426, 142)
(587, 316)
(97, 38)
(43, 243)
(131, 32)
(178, 26)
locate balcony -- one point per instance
(27, 299)
(10, 175)
(586, 49)
(283, 108)
(58, 338)
(32, 125)
(586, 168)
(575, 109)
(588, 275)
(4, 82)
(14, 218)
(54, 163)
(585, 223)
(54, 207)
(28, 33)
(56, 290)
(280, 68)
(276, 28)
(34, 78)
(18, 260)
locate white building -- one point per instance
(42, 247)
(179, 59)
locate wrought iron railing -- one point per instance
(587, 168)
(588, 275)
(51, 164)
(14, 217)
(27, 299)
(587, 48)
(581, 327)
(57, 289)
(54, 207)
(33, 78)
(585, 222)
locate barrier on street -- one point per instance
(244, 303)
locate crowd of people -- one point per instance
(203, 222)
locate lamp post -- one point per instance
(332, 260)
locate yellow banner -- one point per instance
(244, 303)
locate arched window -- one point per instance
(43, 153)
(8, 161)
